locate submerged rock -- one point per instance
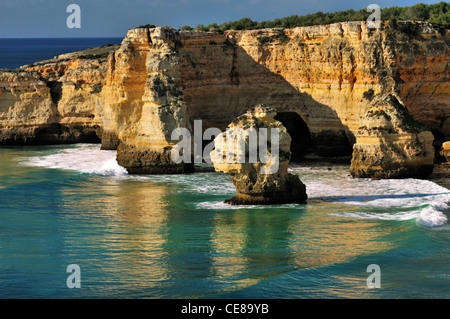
(265, 180)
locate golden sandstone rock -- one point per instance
(26, 108)
(390, 144)
(446, 150)
(58, 102)
(143, 102)
(323, 79)
(265, 179)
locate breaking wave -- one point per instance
(390, 199)
(84, 158)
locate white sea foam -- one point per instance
(390, 199)
(428, 216)
(432, 216)
(84, 158)
(110, 167)
(222, 205)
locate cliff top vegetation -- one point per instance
(437, 14)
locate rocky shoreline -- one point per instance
(378, 95)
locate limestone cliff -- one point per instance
(54, 101)
(421, 71)
(143, 102)
(446, 150)
(322, 80)
(26, 108)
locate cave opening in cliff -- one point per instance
(297, 128)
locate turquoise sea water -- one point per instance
(173, 237)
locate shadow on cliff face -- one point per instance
(297, 128)
(55, 90)
(439, 139)
(225, 81)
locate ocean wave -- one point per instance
(110, 168)
(84, 158)
(389, 199)
(221, 205)
(430, 216)
(396, 199)
(427, 210)
(225, 206)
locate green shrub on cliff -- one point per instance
(93, 56)
(409, 28)
(97, 88)
(147, 26)
(264, 40)
(437, 14)
(201, 27)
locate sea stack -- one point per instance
(145, 103)
(390, 143)
(261, 181)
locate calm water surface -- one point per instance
(15, 53)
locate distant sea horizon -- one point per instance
(17, 52)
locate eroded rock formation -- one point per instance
(446, 150)
(143, 102)
(390, 143)
(54, 101)
(321, 79)
(26, 108)
(258, 181)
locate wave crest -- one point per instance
(84, 158)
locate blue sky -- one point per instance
(112, 18)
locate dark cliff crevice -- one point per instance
(55, 90)
(234, 74)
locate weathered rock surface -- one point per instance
(144, 103)
(258, 181)
(327, 75)
(446, 150)
(441, 171)
(54, 101)
(422, 68)
(26, 108)
(321, 79)
(390, 143)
